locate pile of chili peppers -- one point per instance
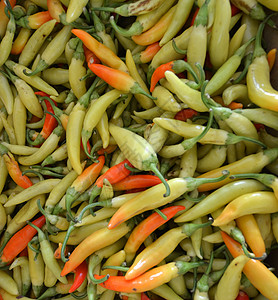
(138, 150)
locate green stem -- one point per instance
(177, 49)
(153, 168)
(69, 231)
(189, 143)
(195, 200)
(34, 172)
(160, 213)
(135, 29)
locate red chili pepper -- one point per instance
(24, 252)
(259, 126)
(135, 190)
(20, 240)
(194, 16)
(144, 296)
(186, 113)
(115, 173)
(90, 57)
(88, 146)
(107, 150)
(136, 181)
(235, 10)
(80, 275)
(146, 227)
(49, 123)
(242, 296)
(13, 168)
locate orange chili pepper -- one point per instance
(118, 79)
(176, 66)
(252, 234)
(13, 168)
(257, 273)
(20, 41)
(155, 33)
(271, 56)
(55, 9)
(146, 227)
(149, 280)
(34, 21)
(3, 17)
(107, 56)
(146, 55)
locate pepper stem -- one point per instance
(195, 200)
(159, 175)
(48, 225)
(160, 213)
(266, 179)
(233, 139)
(259, 51)
(238, 236)
(34, 172)
(135, 29)
(189, 143)
(89, 206)
(69, 231)
(41, 234)
(190, 228)
(184, 267)
(137, 89)
(119, 268)
(177, 49)
(202, 284)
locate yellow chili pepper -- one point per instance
(141, 203)
(271, 4)
(219, 41)
(197, 45)
(77, 71)
(36, 267)
(179, 19)
(229, 284)
(144, 101)
(35, 42)
(258, 202)
(96, 241)
(167, 52)
(53, 50)
(7, 283)
(7, 41)
(260, 90)
(6, 94)
(23, 263)
(226, 194)
(27, 95)
(143, 22)
(75, 9)
(41, 187)
(19, 121)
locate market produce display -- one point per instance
(138, 150)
